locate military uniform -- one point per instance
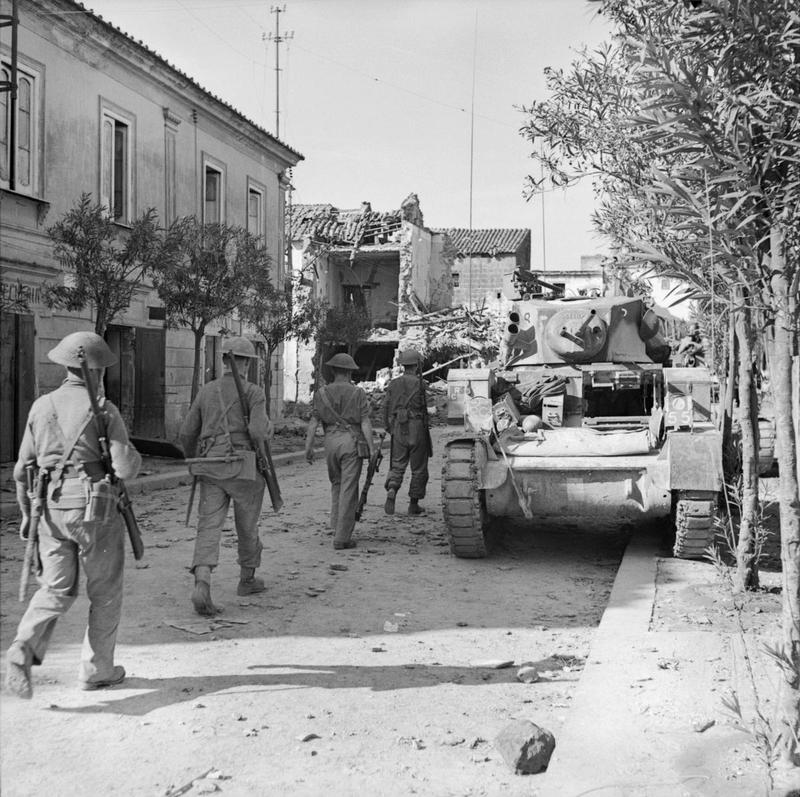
(61, 438)
(405, 418)
(342, 408)
(215, 427)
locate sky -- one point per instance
(389, 97)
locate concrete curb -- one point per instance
(173, 476)
(630, 726)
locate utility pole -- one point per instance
(279, 39)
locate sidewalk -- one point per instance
(633, 726)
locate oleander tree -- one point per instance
(104, 263)
(688, 121)
(290, 312)
(212, 271)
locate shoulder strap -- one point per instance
(225, 416)
(70, 442)
(327, 402)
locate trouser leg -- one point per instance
(211, 514)
(399, 461)
(248, 498)
(348, 496)
(418, 457)
(58, 583)
(103, 558)
(332, 453)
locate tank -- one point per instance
(585, 419)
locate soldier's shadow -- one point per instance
(156, 693)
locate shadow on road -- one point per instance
(159, 693)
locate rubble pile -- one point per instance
(473, 331)
(376, 392)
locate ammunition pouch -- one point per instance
(401, 416)
(102, 502)
(242, 465)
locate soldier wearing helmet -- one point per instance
(343, 410)
(215, 428)
(61, 441)
(405, 417)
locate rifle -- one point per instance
(124, 506)
(261, 447)
(372, 469)
(191, 499)
(428, 440)
(36, 492)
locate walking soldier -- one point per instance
(343, 410)
(215, 430)
(405, 416)
(76, 509)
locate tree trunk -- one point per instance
(198, 342)
(789, 502)
(746, 553)
(100, 323)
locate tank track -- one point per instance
(462, 504)
(693, 516)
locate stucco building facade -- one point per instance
(98, 112)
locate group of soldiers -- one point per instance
(76, 449)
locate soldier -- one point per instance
(405, 416)
(343, 410)
(61, 440)
(215, 428)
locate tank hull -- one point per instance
(628, 488)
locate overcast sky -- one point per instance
(376, 94)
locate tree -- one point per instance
(344, 326)
(212, 271)
(279, 315)
(108, 264)
(690, 122)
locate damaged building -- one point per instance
(388, 264)
(485, 262)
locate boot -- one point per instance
(18, 671)
(249, 584)
(388, 507)
(343, 545)
(117, 677)
(414, 508)
(201, 597)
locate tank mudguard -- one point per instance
(491, 472)
(695, 460)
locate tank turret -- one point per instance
(615, 329)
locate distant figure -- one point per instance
(61, 445)
(405, 416)
(343, 410)
(215, 428)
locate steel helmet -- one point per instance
(239, 347)
(93, 347)
(409, 357)
(343, 361)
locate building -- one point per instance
(387, 263)
(485, 263)
(101, 113)
(587, 279)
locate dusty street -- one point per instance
(357, 672)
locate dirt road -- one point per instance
(358, 672)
